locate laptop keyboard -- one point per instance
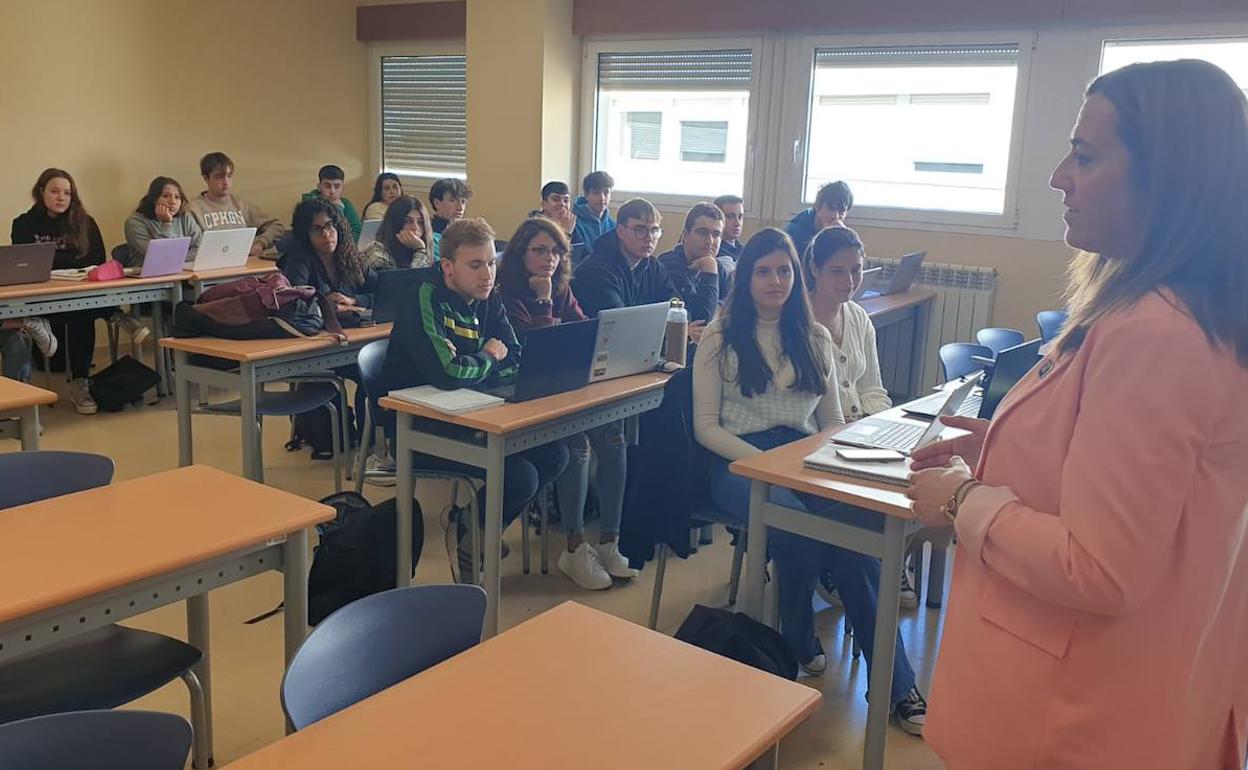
(900, 436)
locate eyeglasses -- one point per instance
(641, 231)
(325, 230)
(703, 232)
(546, 251)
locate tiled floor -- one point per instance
(247, 659)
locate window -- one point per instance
(926, 128)
(1229, 53)
(672, 122)
(424, 130)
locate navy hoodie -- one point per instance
(605, 280)
(802, 228)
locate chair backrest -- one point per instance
(27, 477)
(955, 357)
(376, 642)
(1050, 323)
(999, 339)
(371, 359)
(97, 740)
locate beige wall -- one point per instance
(119, 91)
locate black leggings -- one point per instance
(80, 327)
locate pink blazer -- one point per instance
(1099, 612)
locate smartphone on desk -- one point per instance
(868, 455)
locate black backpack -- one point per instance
(739, 637)
(356, 553)
(122, 383)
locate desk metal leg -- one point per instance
(197, 635)
(768, 761)
(182, 399)
(885, 642)
(253, 466)
(295, 589)
(493, 531)
(29, 419)
(403, 496)
(756, 552)
(159, 359)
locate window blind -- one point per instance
(916, 56)
(719, 70)
(424, 129)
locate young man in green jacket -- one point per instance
(330, 180)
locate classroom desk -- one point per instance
(258, 362)
(75, 563)
(506, 430)
(21, 401)
(901, 322)
(204, 279)
(782, 467)
(520, 700)
(29, 299)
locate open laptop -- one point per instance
(26, 263)
(902, 435)
(868, 277)
(368, 233)
(224, 248)
(907, 271)
(1010, 366)
(392, 287)
(165, 256)
(553, 360)
(630, 341)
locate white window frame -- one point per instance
(1159, 32)
(665, 202)
(795, 118)
(377, 51)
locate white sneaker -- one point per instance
(816, 666)
(583, 568)
(80, 395)
(133, 326)
(379, 472)
(613, 561)
(40, 333)
(909, 596)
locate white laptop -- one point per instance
(630, 341)
(905, 435)
(224, 248)
(368, 233)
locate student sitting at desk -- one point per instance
(218, 208)
(452, 332)
(386, 190)
(401, 238)
(622, 271)
(762, 378)
(329, 183)
(832, 205)
(734, 223)
(700, 280)
(161, 213)
(533, 282)
(449, 198)
(59, 217)
(557, 207)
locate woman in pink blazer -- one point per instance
(1099, 610)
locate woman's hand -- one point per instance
(940, 453)
(410, 240)
(931, 489)
(541, 286)
(164, 212)
(339, 298)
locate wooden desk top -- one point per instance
(783, 467)
(509, 418)
(571, 689)
(254, 266)
(259, 350)
(27, 290)
(889, 303)
(66, 548)
(19, 395)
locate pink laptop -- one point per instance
(165, 256)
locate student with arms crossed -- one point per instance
(762, 378)
(452, 332)
(218, 208)
(533, 282)
(330, 181)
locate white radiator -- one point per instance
(963, 306)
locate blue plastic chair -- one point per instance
(1050, 323)
(376, 642)
(96, 740)
(955, 357)
(999, 339)
(99, 669)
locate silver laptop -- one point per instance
(26, 263)
(368, 233)
(630, 341)
(224, 248)
(907, 271)
(905, 435)
(868, 277)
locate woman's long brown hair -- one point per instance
(77, 235)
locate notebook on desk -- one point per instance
(895, 473)
(455, 401)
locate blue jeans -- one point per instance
(573, 486)
(800, 560)
(15, 355)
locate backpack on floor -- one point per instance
(738, 636)
(122, 383)
(356, 554)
